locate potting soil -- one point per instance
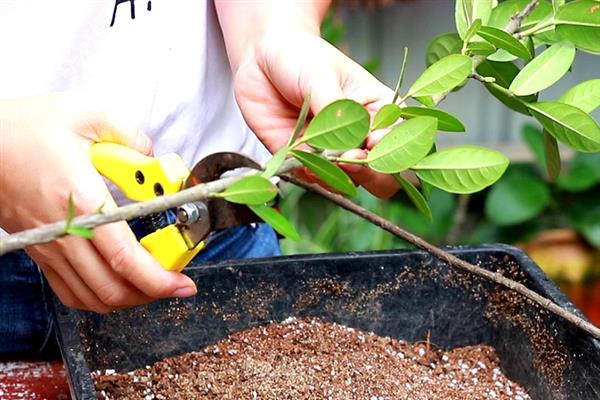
(314, 359)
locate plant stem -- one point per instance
(535, 29)
(517, 20)
(506, 92)
(448, 258)
(401, 77)
(502, 89)
(53, 231)
(349, 160)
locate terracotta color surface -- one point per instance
(33, 380)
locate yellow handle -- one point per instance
(139, 177)
(169, 248)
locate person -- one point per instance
(189, 77)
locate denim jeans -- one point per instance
(26, 323)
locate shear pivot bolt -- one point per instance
(190, 213)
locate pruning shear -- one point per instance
(142, 177)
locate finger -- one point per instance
(61, 289)
(375, 137)
(119, 247)
(120, 250)
(109, 287)
(380, 185)
(323, 88)
(69, 275)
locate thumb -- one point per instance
(101, 123)
(323, 88)
(122, 132)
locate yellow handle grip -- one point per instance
(169, 248)
(139, 177)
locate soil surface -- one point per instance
(312, 359)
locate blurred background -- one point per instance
(557, 224)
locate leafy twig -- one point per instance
(446, 257)
(53, 231)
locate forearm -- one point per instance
(245, 22)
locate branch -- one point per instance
(53, 231)
(516, 20)
(448, 258)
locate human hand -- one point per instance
(45, 153)
(284, 67)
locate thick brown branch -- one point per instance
(516, 20)
(447, 257)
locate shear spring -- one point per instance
(156, 221)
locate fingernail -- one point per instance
(186, 291)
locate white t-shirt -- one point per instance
(162, 63)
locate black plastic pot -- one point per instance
(402, 294)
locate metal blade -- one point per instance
(220, 213)
(213, 166)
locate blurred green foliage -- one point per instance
(520, 205)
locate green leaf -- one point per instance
(403, 146)
(481, 48)
(552, 156)
(414, 195)
(425, 100)
(505, 41)
(544, 70)
(533, 137)
(300, 121)
(250, 190)
(557, 4)
(504, 73)
(373, 65)
(70, 212)
(505, 10)
(530, 46)
(442, 46)
(442, 76)
(590, 227)
(467, 11)
(276, 220)
(585, 216)
(568, 124)
(426, 187)
(275, 162)
(516, 198)
(545, 37)
(332, 30)
(583, 173)
(331, 174)
(342, 125)
(502, 55)
(579, 22)
(446, 121)
(585, 96)
(473, 29)
(386, 116)
(462, 169)
(81, 231)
